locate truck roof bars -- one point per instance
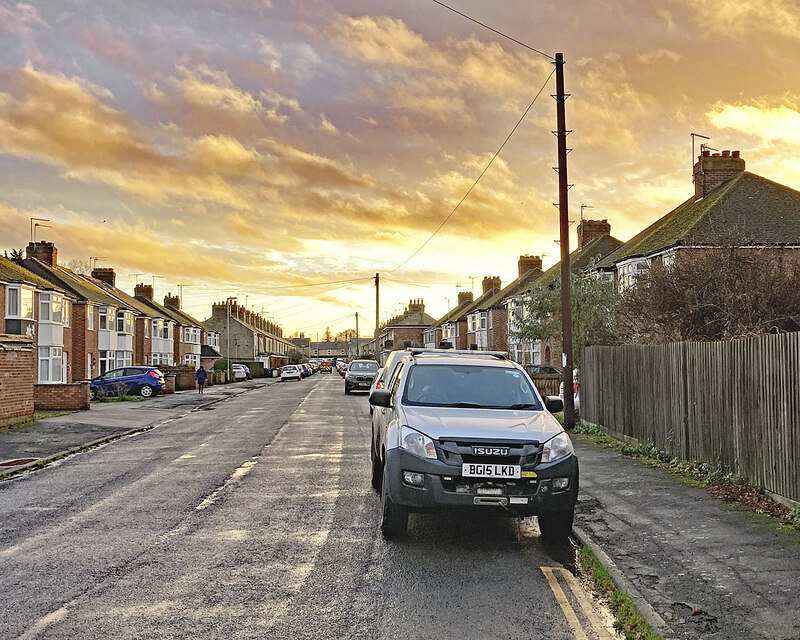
(500, 355)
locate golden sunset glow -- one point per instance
(248, 147)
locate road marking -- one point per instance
(186, 456)
(44, 622)
(577, 590)
(234, 478)
(566, 607)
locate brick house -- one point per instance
(486, 319)
(727, 202)
(487, 323)
(452, 326)
(329, 349)
(405, 329)
(252, 337)
(595, 242)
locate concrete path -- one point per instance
(710, 572)
(52, 436)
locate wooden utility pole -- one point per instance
(357, 334)
(563, 210)
(377, 307)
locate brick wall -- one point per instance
(84, 341)
(61, 396)
(142, 341)
(497, 336)
(17, 377)
(407, 334)
(2, 308)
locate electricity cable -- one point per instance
(500, 33)
(485, 169)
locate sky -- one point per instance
(258, 148)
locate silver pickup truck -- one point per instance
(468, 430)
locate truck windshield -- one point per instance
(470, 386)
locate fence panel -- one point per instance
(733, 403)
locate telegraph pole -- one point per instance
(563, 209)
(377, 307)
(357, 334)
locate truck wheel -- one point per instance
(556, 527)
(346, 391)
(394, 517)
(377, 469)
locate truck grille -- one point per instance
(456, 452)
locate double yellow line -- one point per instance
(588, 611)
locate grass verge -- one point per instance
(711, 477)
(628, 620)
(37, 415)
(120, 398)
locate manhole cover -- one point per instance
(14, 463)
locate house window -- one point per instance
(12, 302)
(107, 360)
(50, 364)
(44, 307)
(90, 317)
(165, 331)
(103, 319)
(483, 321)
(58, 309)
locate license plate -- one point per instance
(480, 470)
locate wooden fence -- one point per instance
(734, 403)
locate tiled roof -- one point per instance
(13, 272)
(413, 317)
(454, 314)
(72, 282)
(134, 304)
(763, 211)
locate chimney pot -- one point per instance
(711, 171)
(144, 291)
(172, 302)
(105, 274)
(464, 296)
(589, 230)
(529, 263)
(43, 251)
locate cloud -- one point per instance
(737, 19)
(326, 125)
(769, 123)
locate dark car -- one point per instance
(359, 376)
(541, 370)
(144, 381)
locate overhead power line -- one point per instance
(485, 169)
(499, 33)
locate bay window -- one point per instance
(50, 364)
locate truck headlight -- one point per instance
(557, 447)
(417, 443)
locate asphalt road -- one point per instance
(255, 519)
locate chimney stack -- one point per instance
(589, 230)
(143, 291)
(172, 302)
(490, 283)
(464, 296)
(711, 171)
(528, 263)
(105, 274)
(43, 251)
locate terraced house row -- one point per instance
(727, 203)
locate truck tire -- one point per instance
(394, 517)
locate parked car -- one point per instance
(291, 372)
(325, 366)
(468, 430)
(359, 376)
(239, 372)
(541, 370)
(144, 381)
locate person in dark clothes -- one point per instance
(201, 376)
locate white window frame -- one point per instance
(45, 311)
(90, 317)
(50, 365)
(103, 317)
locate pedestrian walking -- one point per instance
(201, 376)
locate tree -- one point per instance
(81, 267)
(345, 336)
(295, 356)
(594, 301)
(328, 336)
(16, 254)
(713, 294)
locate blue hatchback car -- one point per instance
(144, 381)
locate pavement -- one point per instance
(52, 437)
(697, 569)
(703, 569)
